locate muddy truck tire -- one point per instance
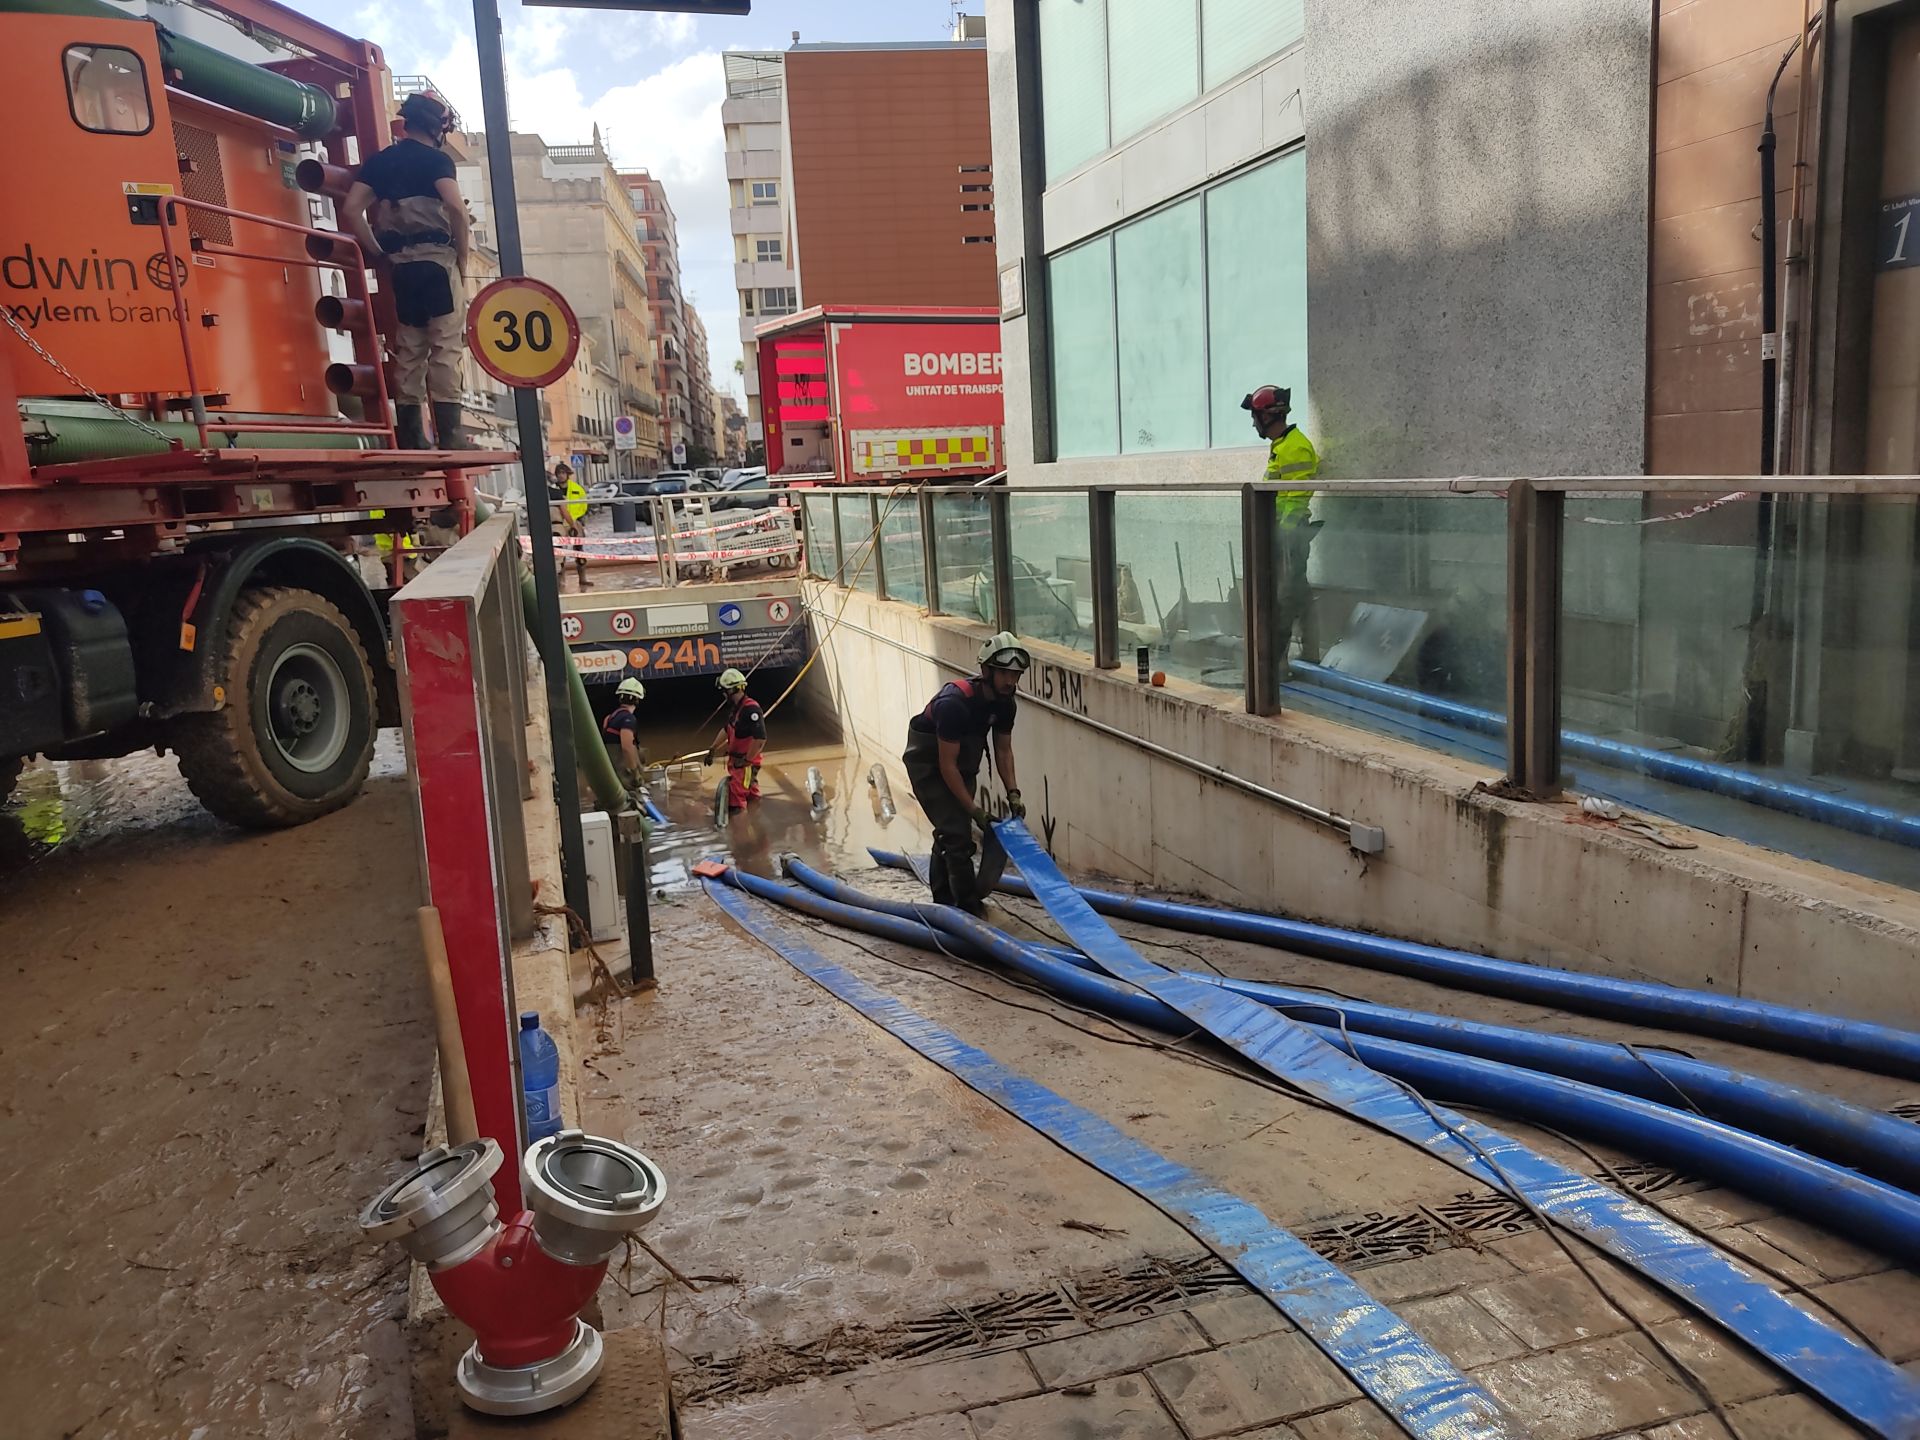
(295, 737)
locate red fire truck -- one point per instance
(192, 458)
(859, 395)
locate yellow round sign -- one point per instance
(522, 332)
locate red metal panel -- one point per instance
(441, 694)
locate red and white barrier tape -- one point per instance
(680, 556)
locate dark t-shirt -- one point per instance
(621, 719)
(747, 723)
(406, 169)
(953, 715)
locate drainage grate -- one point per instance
(1140, 1287)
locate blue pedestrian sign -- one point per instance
(729, 614)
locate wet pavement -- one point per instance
(214, 1047)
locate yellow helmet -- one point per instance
(630, 688)
(731, 680)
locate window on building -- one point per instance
(766, 192)
(1152, 342)
(1110, 69)
(780, 300)
(1073, 82)
(746, 302)
(976, 189)
(107, 90)
(767, 252)
(988, 205)
(976, 239)
(1086, 415)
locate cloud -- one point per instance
(667, 121)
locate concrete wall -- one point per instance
(1460, 869)
(1476, 219)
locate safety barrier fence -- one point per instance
(461, 644)
(1687, 641)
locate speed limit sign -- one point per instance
(523, 332)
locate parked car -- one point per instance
(667, 482)
(604, 490)
(746, 490)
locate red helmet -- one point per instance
(1268, 397)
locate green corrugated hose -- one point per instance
(201, 70)
(65, 432)
(588, 753)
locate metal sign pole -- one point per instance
(526, 407)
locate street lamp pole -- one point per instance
(533, 465)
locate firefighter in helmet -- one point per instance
(742, 738)
(621, 731)
(945, 744)
(1291, 461)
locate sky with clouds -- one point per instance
(652, 82)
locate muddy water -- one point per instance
(214, 1048)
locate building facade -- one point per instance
(658, 234)
(1523, 238)
(757, 214)
(887, 166)
(730, 429)
(577, 233)
(702, 440)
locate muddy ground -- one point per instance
(214, 1048)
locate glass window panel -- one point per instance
(856, 543)
(900, 549)
(1401, 626)
(1052, 569)
(1162, 322)
(1179, 584)
(1154, 50)
(963, 553)
(1257, 246)
(1671, 682)
(1073, 82)
(822, 558)
(1236, 35)
(1085, 379)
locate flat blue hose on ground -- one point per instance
(1880, 1215)
(1857, 1043)
(652, 811)
(1859, 816)
(1422, 1389)
(1850, 1377)
(1870, 1141)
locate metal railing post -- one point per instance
(1536, 522)
(879, 550)
(839, 542)
(1106, 579)
(1266, 658)
(929, 550)
(1000, 516)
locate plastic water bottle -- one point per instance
(539, 1077)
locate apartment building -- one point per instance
(757, 215)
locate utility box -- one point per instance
(604, 915)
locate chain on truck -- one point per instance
(204, 437)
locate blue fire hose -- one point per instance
(1856, 1043)
(1858, 816)
(1870, 1141)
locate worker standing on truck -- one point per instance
(1291, 460)
(742, 738)
(418, 225)
(621, 731)
(945, 744)
(568, 499)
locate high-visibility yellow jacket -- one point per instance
(576, 492)
(1292, 457)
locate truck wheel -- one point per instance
(295, 737)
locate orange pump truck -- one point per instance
(181, 497)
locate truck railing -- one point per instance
(1666, 634)
(323, 253)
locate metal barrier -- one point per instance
(461, 645)
(1451, 597)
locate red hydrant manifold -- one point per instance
(520, 1286)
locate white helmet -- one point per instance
(1005, 652)
(630, 689)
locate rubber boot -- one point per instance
(446, 425)
(962, 883)
(410, 425)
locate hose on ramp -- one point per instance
(1417, 1385)
(1849, 1376)
(1877, 1144)
(1859, 816)
(1856, 1043)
